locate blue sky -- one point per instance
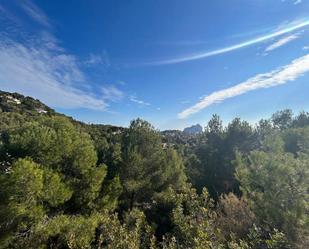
(173, 63)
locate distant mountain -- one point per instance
(194, 129)
(186, 137)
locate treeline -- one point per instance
(65, 184)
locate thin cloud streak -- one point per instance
(112, 93)
(277, 77)
(98, 59)
(138, 101)
(35, 13)
(282, 42)
(202, 55)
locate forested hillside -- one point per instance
(66, 184)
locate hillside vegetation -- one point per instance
(66, 184)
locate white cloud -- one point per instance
(283, 30)
(100, 61)
(138, 101)
(277, 77)
(282, 42)
(36, 65)
(51, 75)
(49, 41)
(293, 1)
(306, 48)
(112, 93)
(35, 13)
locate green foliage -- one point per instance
(211, 160)
(282, 119)
(67, 231)
(55, 192)
(135, 233)
(51, 182)
(65, 184)
(296, 140)
(22, 189)
(256, 239)
(146, 167)
(276, 185)
(192, 222)
(302, 120)
(234, 216)
(17, 103)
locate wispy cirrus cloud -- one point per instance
(282, 42)
(94, 59)
(101, 59)
(276, 77)
(276, 33)
(112, 93)
(295, 2)
(35, 13)
(138, 101)
(49, 74)
(38, 66)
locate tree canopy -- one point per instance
(66, 184)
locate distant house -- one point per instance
(116, 132)
(40, 110)
(13, 100)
